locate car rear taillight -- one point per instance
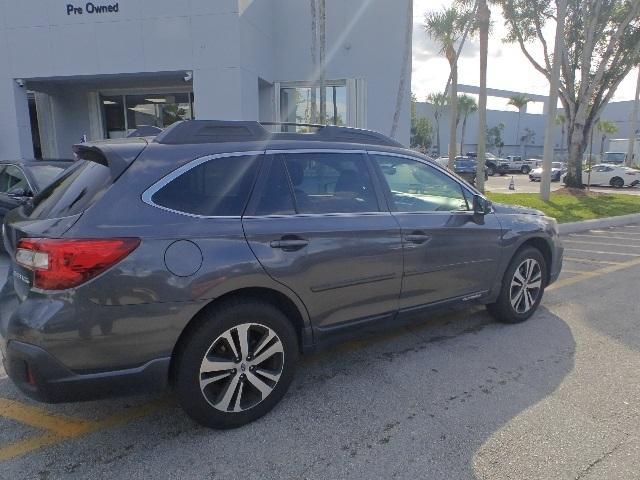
(58, 264)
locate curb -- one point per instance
(575, 227)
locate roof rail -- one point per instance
(220, 131)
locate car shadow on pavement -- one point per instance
(417, 402)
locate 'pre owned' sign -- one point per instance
(91, 8)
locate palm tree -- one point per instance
(439, 102)
(519, 101)
(561, 120)
(448, 27)
(466, 106)
(606, 128)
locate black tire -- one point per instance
(502, 310)
(525, 170)
(490, 171)
(197, 344)
(617, 182)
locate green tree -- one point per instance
(421, 132)
(421, 128)
(439, 102)
(602, 39)
(466, 106)
(448, 27)
(494, 138)
(605, 128)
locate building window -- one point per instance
(125, 113)
(301, 104)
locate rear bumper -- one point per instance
(40, 376)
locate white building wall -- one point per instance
(365, 39)
(235, 49)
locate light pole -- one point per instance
(545, 181)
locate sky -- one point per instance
(508, 69)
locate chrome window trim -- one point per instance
(153, 189)
(321, 215)
(314, 150)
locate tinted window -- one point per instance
(466, 164)
(218, 187)
(276, 197)
(330, 183)
(74, 191)
(12, 177)
(45, 174)
(417, 187)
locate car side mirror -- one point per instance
(481, 207)
(19, 193)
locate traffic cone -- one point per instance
(512, 184)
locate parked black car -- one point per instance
(493, 167)
(209, 258)
(22, 179)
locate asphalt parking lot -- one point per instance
(457, 396)
(500, 184)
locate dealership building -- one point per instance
(72, 69)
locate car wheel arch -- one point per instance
(543, 246)
(296, 314)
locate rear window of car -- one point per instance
(45, 174)
(74, 191)
(216, 188)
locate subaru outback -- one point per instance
(210, 257)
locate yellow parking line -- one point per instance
(60, 428)
(23, 447)
(39, 418)
(597, 273)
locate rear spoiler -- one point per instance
(117, 155)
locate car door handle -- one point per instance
(417, 238)
(291, 244)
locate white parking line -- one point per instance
(602, 253)
(615, 232)
(590, 261)
(602, 236)
(603, 243)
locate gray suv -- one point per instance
(209, 258)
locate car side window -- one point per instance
(12, 177)
(276, 197)
(330, 183)
(418, 187)
(217, 187)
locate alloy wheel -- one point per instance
(241, 367)
(526, 286)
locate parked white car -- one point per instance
(611, 175)
(557, 170)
